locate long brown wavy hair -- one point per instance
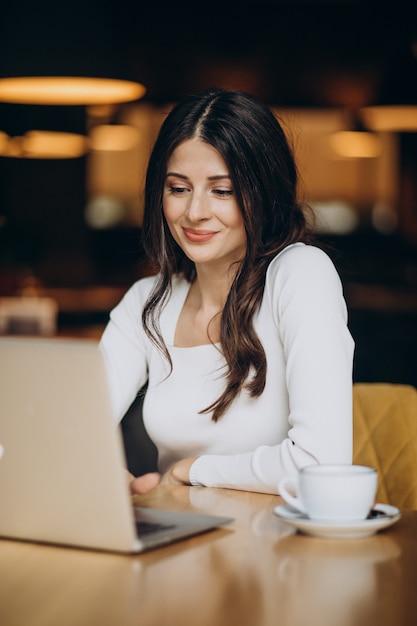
(255, 149)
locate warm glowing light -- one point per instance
(60, 90)
(101, 111)
(398, 118)
(4, 142)
(355, 145)
(43, 144)
(114, 138)
(49, 144)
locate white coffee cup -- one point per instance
(341, 493)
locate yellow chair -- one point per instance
(385, 437)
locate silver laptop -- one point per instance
(62, 476)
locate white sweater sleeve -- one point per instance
(309, 315)
(123, 345)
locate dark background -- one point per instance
(289, 53)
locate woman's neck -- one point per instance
(199, 321)
(211, 287)
(208, 295)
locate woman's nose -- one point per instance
(199, 207)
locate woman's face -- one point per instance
(200, 206)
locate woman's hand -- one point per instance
(178, 473)
(143, 484)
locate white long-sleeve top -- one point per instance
(304, 415)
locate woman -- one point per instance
(242, 334)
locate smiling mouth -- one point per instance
(199, 236)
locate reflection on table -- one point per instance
(256, 571)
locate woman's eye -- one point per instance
(177, 190)
(223, 193)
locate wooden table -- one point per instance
(254, 572)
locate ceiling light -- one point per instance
(390, 118)
(114, 137)
(355, 144)
(67, 90)
(4, 142)
(44, 144)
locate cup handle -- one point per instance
(290, 483)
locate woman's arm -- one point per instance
(123, 346)
(309, 315)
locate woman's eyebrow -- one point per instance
(218, 177)
(215, 177)
(177, 175)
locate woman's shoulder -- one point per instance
(304, 257)
(141, 289)
(301, 264)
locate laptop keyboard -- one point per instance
(148, 528)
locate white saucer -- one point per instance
(382, 516)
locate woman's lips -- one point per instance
(199, 236)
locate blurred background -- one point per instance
(342, 77)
